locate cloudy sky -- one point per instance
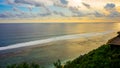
(59, 10)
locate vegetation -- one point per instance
(24, 65)
(58, 64)
(103, 57)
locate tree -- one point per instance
(57, 64)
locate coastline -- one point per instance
(63, 50)
(53, 39)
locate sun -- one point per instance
(74, 3)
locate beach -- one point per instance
(47, 53)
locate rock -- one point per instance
(114, 42)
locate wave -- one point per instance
(43, 41)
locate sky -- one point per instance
(59, 11)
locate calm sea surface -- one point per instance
(18, 33)
(12, 33)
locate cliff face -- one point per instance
(115, 41)
(101, 57)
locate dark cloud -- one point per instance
(114, 14)
(111, 8)
(30, 2)
(86, 5)
(76, 12)
(77, 15)
(58, 3)
(45, 14)
(64, 1)
(59, 13)
(74, 9)
(14, 15)
(3, 15)
(98, 14)
(33, 3)
(36, 4)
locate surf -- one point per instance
(53, 39)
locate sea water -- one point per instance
(17, 35)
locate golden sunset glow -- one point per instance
(62, 20)
(59, 10)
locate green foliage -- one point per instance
(58, 64)
(103, 57)
(24, 65)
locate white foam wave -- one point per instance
(65, 37)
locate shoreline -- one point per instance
(53, 39)
(52, 51)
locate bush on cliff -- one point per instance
(103, 57)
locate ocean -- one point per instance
(20, 35)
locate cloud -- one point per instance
(86, 5)
(40, 3)
(46, 8)
(7, 15)
(59, 13)
(64, 1)
(111, 8)
(74, 9)
(60, 3)
(98, 14)
(36, 3)
(76, 12)
(44, 14)
(33, 3)
(44, 4)
(114, 14)
(30, 4)
(15, 15)
(30, 8)
(18, 10)
(10, 1)
(50, 7)
(3, 15)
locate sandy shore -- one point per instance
(64, 50)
